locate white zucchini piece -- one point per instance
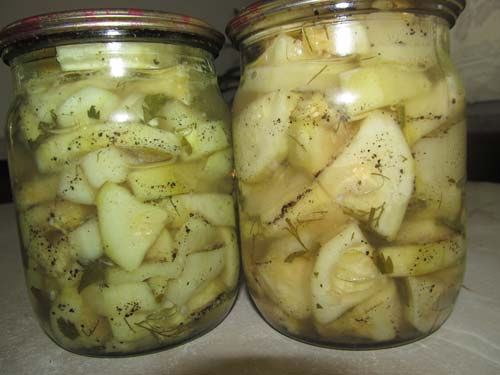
(163, 250)
(307, 75)
(129, 109)
(29, 124)
(86, 241)
(174, 83)
(205, 297)
(128, 227)
(312, 139)
(74, 186)
(429, 299)
(337, 39)
(344, 275)
(204, 139)
(440, 169)
(116, 56)
(373, 178)
(130, 329)
(158, 285)
(286, 278)
(197, 235)
(282, 50)
(157, 182)
(200, 269)
(86, 106)
(74, 325)
(108, 164)
(416, 260)
(120, 299)
(231, 271)
(267, 198)
(428, 112)
(217, 209)
(379, 318)
(367, 88)
(178, 117)
(148, 270)
(41, 189)
(218, 171)
(422, 231)
(260, 135)
(61, 149)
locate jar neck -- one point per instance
(113, 59)
(350, 38)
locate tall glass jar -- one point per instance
(350, 146)
(121, 165)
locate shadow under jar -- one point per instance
(350, 146)
(121, 165)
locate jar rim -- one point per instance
(101, 25)
(265, 14)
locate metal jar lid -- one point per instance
(101, 25)
(266, 14)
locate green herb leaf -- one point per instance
(152, 106)
(68, 328)
(93, 113)
(92, 273)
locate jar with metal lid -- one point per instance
(121, 166)
(350, 145)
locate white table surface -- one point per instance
(469, 343)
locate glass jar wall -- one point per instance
(121, 165)
(350, 146)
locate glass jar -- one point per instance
(121, 165)
(350, 146)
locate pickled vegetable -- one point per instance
(350, 153)
(125, 196)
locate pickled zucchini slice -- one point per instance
(108, 164)
(217, 209)
(74, 324)
(200, 269)
(426, 113)
(373, 178)
(206, 297)
(197, 235)
(422, 231)
(86, 241)
(157, 182)
(178, 117)
(312, 135)
(231, 270)
(440, 171)
(116, 56)
(379, 318)
(344, 275)
(128, 227)
(74, 186)
(337, 39)
(260, 135)
(286, 278)
(146, 271)
(59, 150)
(281, 50)
(203, 139)
(368, 88)
(416, 260)
(163, 250)
(429, 299)
(86, 106)
(41, 189)
(119, 300)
